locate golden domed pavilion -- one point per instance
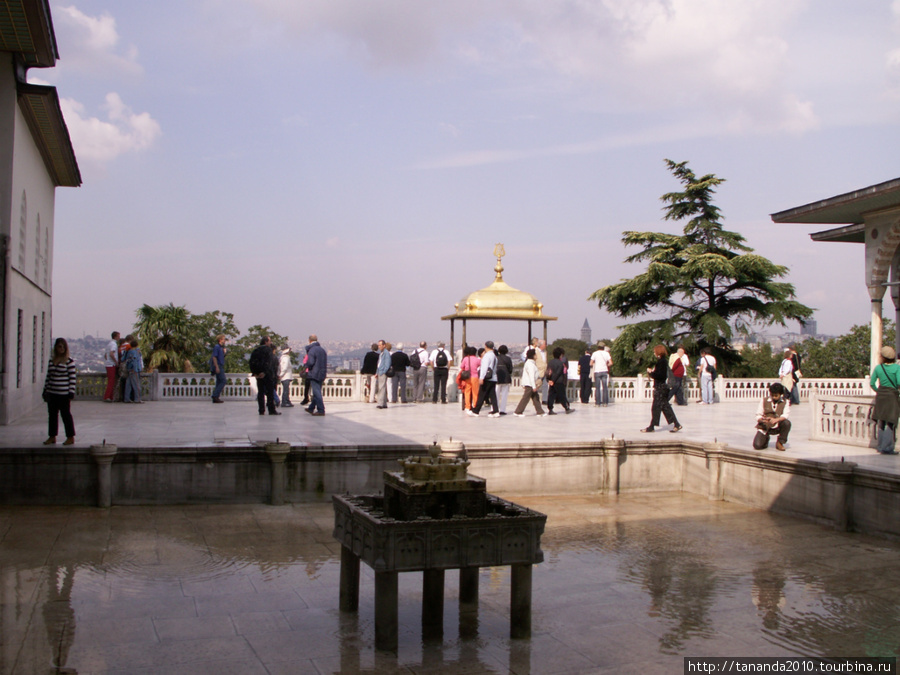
(500, 302)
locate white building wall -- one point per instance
(27, 219)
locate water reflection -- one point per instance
(81, 592)
(768, 592)
(59, 617)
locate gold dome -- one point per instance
(499, 300)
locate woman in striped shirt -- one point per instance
(59, 390)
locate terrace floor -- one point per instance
(193, 423)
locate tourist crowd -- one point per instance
(483, 379)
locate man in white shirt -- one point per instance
(440, 361)
(601, 362)
(772, 418)
(111, 361)
(706, 369)
(540, 360)
(420, 356)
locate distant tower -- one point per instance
(809, 328)
(586, 332)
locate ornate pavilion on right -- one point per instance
(869, 216)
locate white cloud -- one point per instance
(100, 141)
(91, 43)
(657, 55)
(892, 59)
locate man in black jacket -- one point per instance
(369, 366)
(585, 376)
(399, 363)
(264, 367)
(557, 378)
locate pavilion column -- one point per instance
(876, 293)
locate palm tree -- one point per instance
(167, 336)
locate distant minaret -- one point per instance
(586, 332)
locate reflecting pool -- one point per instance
(629, 584)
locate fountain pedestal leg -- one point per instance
(520, 602)
(349, 598)
(433, 603)
(468, 589)
(386, 611)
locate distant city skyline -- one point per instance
(346, 168)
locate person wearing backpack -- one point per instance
(418, 361)
(706, 368)
(440, 361)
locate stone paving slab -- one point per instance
(349, 426)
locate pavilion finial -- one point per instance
(499, 251)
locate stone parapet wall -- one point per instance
(839, 493)
(846, 420)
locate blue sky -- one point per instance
(346, 168)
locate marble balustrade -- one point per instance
(349, 387)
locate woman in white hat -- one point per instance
(887, 399)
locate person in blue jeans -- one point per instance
(134, 364)
(706, 367)
(217, 367)
(317, 368)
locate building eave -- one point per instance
(500, 316)
(40, 106)
(849, 208)
(855, 234)
(26, 29)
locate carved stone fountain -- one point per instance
(434, 517)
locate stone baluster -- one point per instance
(103, 456)
(714, 459)
(614, 447)
(841, 502)
(277, 453)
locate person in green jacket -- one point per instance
(887, 399)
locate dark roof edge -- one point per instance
(790, 215)
(37, 103)
(854, 233)
(40, 24)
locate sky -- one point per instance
(345, 168)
